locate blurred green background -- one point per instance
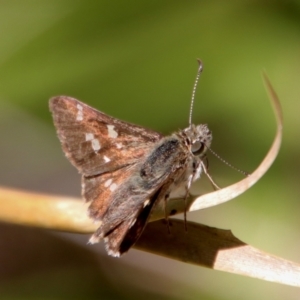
(136, 60)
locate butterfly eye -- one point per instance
(197, 148)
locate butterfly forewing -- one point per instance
(96, 143)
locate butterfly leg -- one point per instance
(166, 198)
(196, 171)
(187, 189)
(205, 170)
(164, 194)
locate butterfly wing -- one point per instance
(126, 233)
(125, 217)
(125, 168)
(96, 143)
(131, 204)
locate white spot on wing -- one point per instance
(89, 136)
(132, 223)
(106, 159)
(79, 116)
(146, 202)
(94, 239)
(111, 131)
(108, 182)
(113, 187)
(119, 145)
(96, 145)
(110, 251)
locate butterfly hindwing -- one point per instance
(127, 214)
(100, 190)
(136, 193)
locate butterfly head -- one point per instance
(199, 138)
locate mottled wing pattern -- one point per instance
(124, 211)
(127, 233)
(96, 143)
(99, 190)
(107, 152)
(131, 204)
(125, 168)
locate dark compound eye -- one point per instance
(197, 148)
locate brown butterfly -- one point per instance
(126, 169)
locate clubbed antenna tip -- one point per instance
(200, 65)
(194, 90)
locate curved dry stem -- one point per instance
(240, 187)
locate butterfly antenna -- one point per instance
(194, 90)
(228, 164)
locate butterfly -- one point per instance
(126, 169)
